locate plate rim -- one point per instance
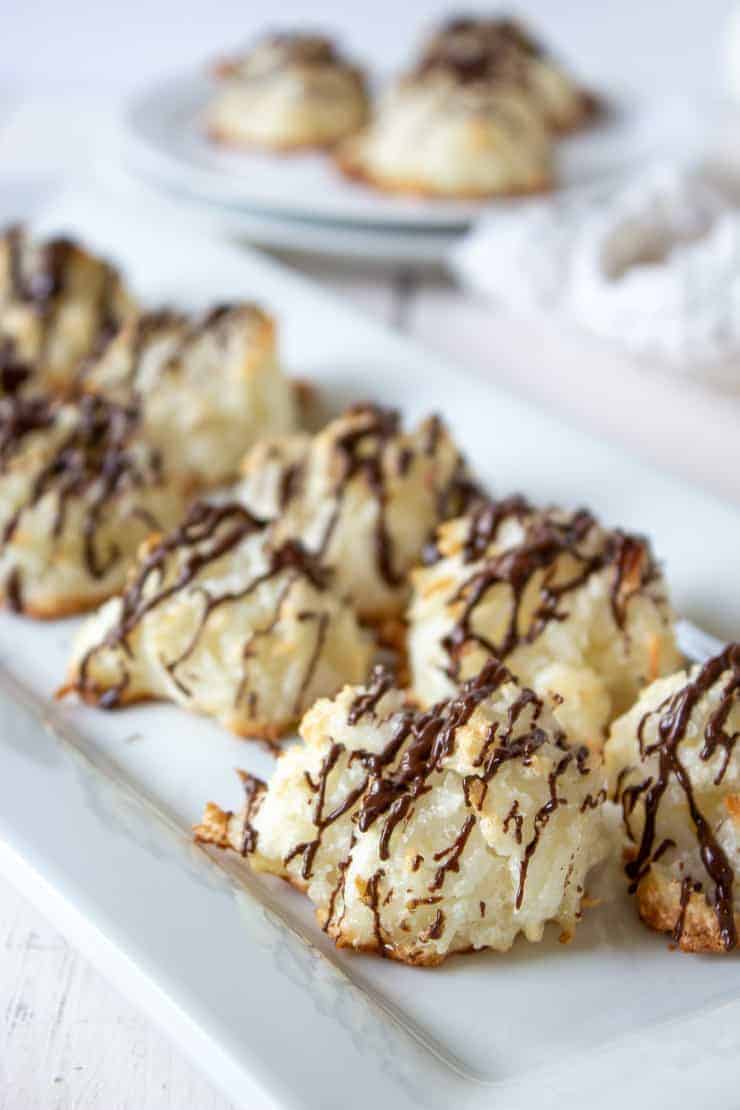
(144, 115)
(396, 247)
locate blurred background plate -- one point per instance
(387, 246)
(165, 141)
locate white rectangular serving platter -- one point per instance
(95, 808)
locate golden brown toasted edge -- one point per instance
(353, 169)
(56, 606)
(266, 328)
(268, 732)
(593, 110)
(660, 907)
(225, 830)
(229, 830)
(412, 957)
(214, 827)
(91, 694)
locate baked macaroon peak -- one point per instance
(673, 767)
(223, 620)
(209, 385)
(420, 834)
(435, 135)
(573, 608)
(80, 488)
(59, 303)
(278, 48)
(364, 495)
(503, 51)
(287, 91)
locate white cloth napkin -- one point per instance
(652, 266)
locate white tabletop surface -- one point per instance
(67, 1039)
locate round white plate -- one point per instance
(165, 138)
(421, 246)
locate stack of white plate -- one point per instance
(301, 201)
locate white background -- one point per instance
(49, 43)
(67, 1039)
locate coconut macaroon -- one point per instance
(208, 387)
(504, 52)
(58, 303)
(572, 608)
(363, 496)
(436, 133)
(417, 835)
(79, 491)
(673, 765)
(220, 620)
(290, 91)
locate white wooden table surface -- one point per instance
(67, 1039)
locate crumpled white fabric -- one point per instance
(652, 266)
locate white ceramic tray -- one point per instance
(165, 139)
(95, 808)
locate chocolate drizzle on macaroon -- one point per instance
(673, 719)
(38, 277)
(369, 451)
(14, 371)
(394, 779)
(151, 328)
(173, 564)
(92, 461)
(279, 51)
(19, 417)
(474, 50)
(361, 451)
(495, 52)
(558, 554)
